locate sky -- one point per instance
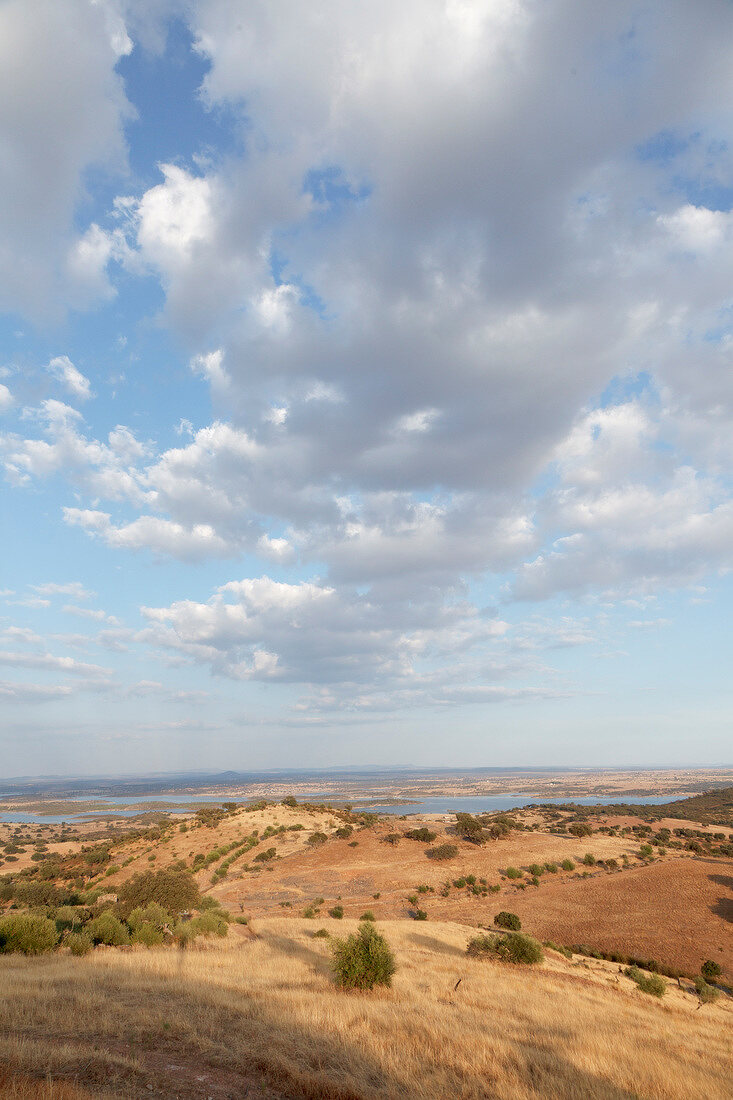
(365, 384)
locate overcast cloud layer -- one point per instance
(365, 388)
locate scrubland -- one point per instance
(257, 1015)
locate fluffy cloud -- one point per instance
(61, 112)
(72, 379)
(462, 307)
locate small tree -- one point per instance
(711, 970)
(27, 933)
(363, 960)
(469, 828)
(508, 920)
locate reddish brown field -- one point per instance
(677, 911)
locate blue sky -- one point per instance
(365, 384)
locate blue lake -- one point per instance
(475, 804)
(129, 806)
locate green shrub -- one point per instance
(316, 839)
(419, 914)
(208, 924)
(535, 869)
(263, 857)
(183, 934)
(345, 832)
(424, 834)
(551, 867)
(368, 916)
(66, 916)
(647, 983)
(241, 920)
(322, 933)
(580, 830)
(337, 912)
(392, 838)
(508, 920)
(480, 946)
(513, 872)
(363, 960)
(514, 947)
(176, 891)
(589, 860)
(470, 828)
(152, 914)
(147, 935)
(705, 992)
(79, 943)
(28, 933)
(442, 851)
(108, 929)
(711, 970)
(567, 865)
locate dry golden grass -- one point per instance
(258, 1016)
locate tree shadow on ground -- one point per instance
(723, 906)
(435, 945)
(243, 1046)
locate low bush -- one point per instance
(480, 946)
(108, 929)
(337, 912)
(442, 851)
(424, 834)
(470, 828)
(176, 891)
(551, 867)
(27, 933)
(79, 943)
(266, 856)
(710, 970)
(705, 992)
(316, 839)
(418, 914)
(147, 935)
(652, 984)
(513, 872)
(152, 914)
(567, 865)
(208, 924)
(516, 947)
(513, 947)
(535, 869)
(589, 860)
(363, 960)
(508, 920)
(392, 838)
(368, 916)
(322, 933)
(578, 829)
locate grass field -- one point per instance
(258, 1016)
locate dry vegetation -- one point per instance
(259, 1012)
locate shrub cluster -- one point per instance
(508, 920)
(442, 851)
(513, 947)
(647, 983)
(423, 833)
(363, 960)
